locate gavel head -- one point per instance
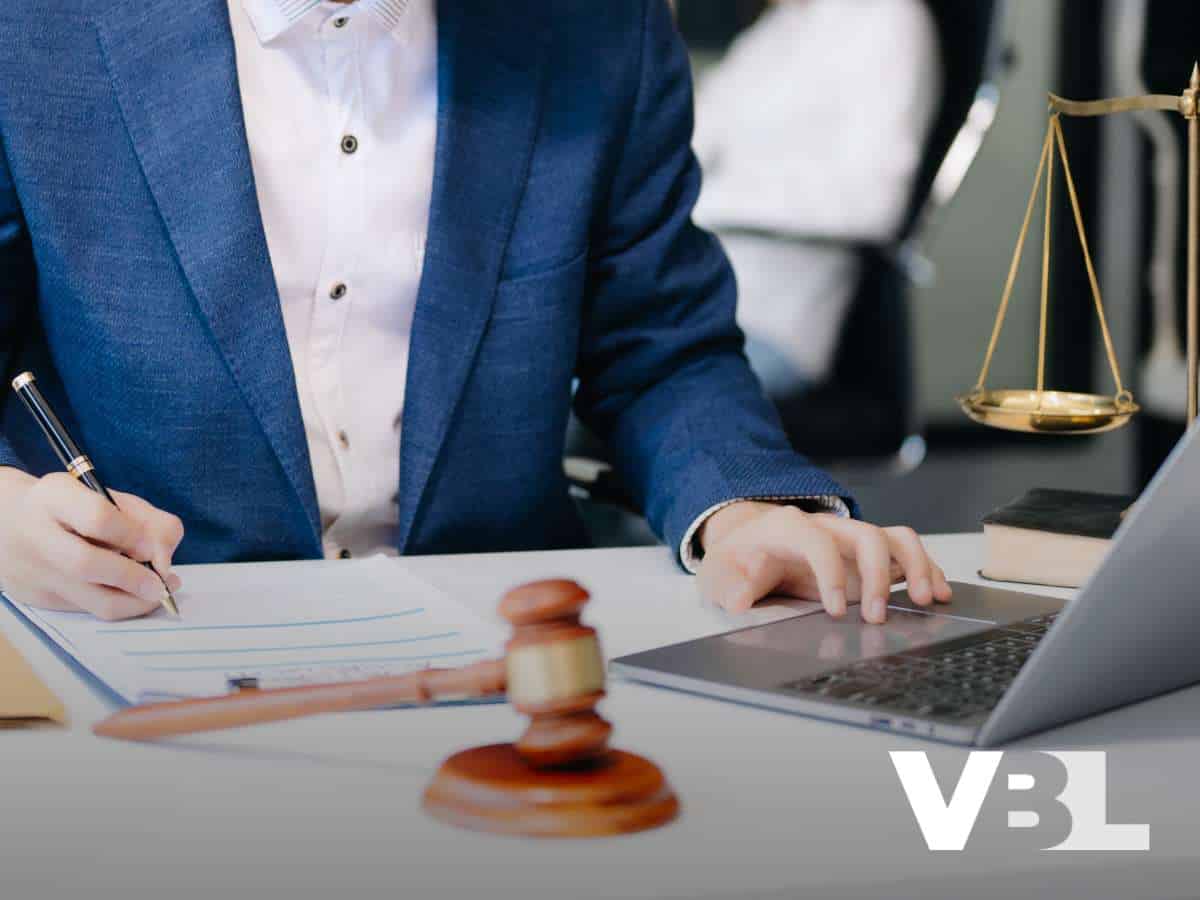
(555, 673)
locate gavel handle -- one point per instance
(161, 720)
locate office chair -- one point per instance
(865, 414)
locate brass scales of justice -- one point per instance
(1043, 411)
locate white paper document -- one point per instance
(281, 623)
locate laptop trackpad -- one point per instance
(808, 645)
(841, 641)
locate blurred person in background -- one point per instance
(810, 132)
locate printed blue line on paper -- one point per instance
(223, 651)
(307, 624)
(305, 664)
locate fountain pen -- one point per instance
(73, 459)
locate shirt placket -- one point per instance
(336, 291)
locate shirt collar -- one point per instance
(271, 18)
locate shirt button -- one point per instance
(341, 21)
(344, 554)
(338, 291)
(344, 440)
(349, 144)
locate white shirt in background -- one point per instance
(340, 105)
(814, 124)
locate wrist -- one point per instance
(728, 519)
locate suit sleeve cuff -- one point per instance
(690, 552)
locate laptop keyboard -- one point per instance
(952, 680)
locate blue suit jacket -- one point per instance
(135, 279)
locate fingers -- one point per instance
(91, 516)
(908, 561)
(165, 530)
(874, 558)
(134, 527)
(906, 548)
(926, 581)
(871, 551)
(736, 581)
(81, 564)
(42, 599)
(108, 603)
(788, 551)
(56, 589)
(942, 592)
(821, 553)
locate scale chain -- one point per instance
(1015, 265)
(1044, 310)
(1087, 258)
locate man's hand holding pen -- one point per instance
(70, 549)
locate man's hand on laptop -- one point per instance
(755, 550)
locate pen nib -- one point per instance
(169, 603)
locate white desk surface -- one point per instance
(774, 805)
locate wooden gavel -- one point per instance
(553, 671)
(558, 779)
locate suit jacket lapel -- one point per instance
(489, 93)
(173, 66)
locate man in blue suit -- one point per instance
(323, 279)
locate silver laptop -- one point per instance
(993, 665)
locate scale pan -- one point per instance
(1048, 412)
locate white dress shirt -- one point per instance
(340, 105)
(814, 124)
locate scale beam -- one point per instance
(1160, 102)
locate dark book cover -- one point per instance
(1064, 512)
